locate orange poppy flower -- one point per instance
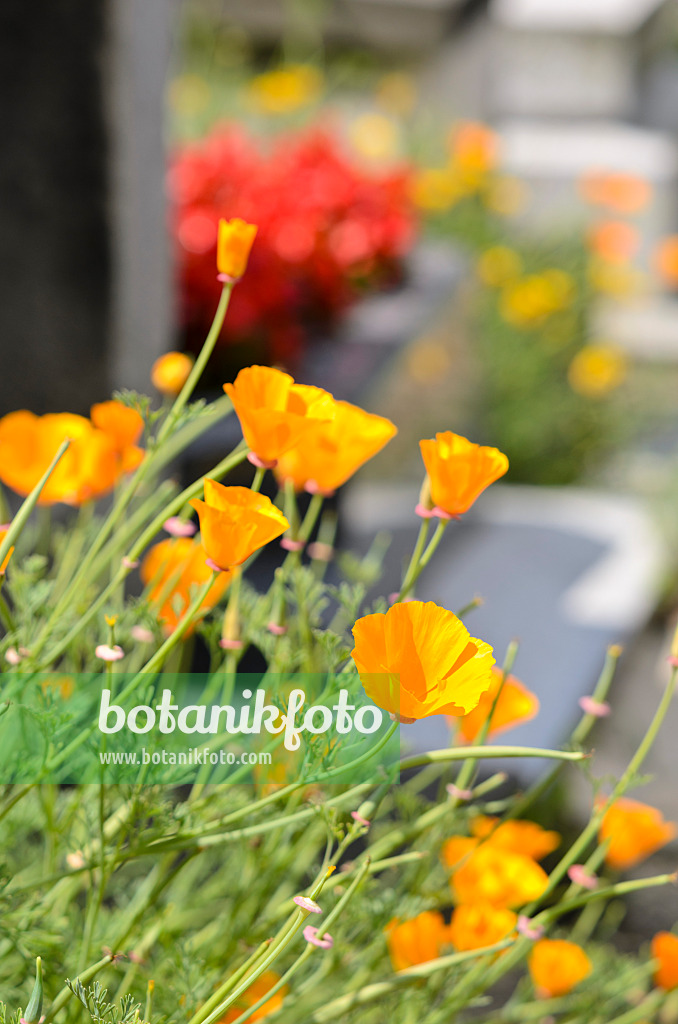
(259, 987)
(474, 148)
(28, 443)
(498, 876)
(556, 966)
(235, 522)
(336, 449)
(416, 941)
(170, 372)
(666, 259)
(665, 951)
(614, 240)
(456, 848)
(516, 704)
(635, 831)
(275, 413)
(624, 193)
(234, 242)
(418, 659)
(517, 836)
(124, 426)
(479, 925)
(3, 533)
(458, 470)
(172, 568)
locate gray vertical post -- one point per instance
(139, 48)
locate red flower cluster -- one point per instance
(328, 229)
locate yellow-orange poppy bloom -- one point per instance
(456, 848)
(124, 426)
(635, 831)
(235, 522)
(596, 370)
(170, 372)
(666, 259)
(515, 705)
(336, 449)
(556, 966)
(90, 467)
(498, 876)
(286, 89)
(480, 925)
(275, 413)
(3, 533)
(624, 193)
(459, 470)
(234, 241)
(474, 150)
(257, 990)
(416, 941)
(418, 659)
(516, 835)
(664, 950)
(172, 569)
(614, 240)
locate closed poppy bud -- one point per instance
(665, 952)
(480, 924)
(498, 876)
(170, 372)
(332, 453)
(515, 705)
(275, 413)
(459, 470)
(634, 831)
(416, 941)
(234, 242)
(235, 522)
(556, 966)
(418, 659)
(33, 1011)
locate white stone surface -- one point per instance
(607, 16)
(647, 329)
(552, 156)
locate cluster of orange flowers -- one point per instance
(102, 449)
(495, 872)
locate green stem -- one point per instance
(65, 994)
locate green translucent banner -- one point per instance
(169, 729)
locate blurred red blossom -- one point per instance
(329, 229)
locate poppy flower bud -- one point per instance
(233, 247)
(33, 1011)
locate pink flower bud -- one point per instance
(108, 653)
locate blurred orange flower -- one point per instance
(459, 470)
(624, 193)
(515, 705)
(635, 831)
(336, 449)
(275, 413)
(90, 467)
(666, 259)
(456, 848)
(416, 941)
(516, 835)
(474, 150)
(257, 990)
(418, 659)
(171, 568)
(556, 966)
(498, 876)
(170, 372)
(614, 240)
(664, 950)
(479, 925)
(124, 426)
(235, 522)
(234, 241)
